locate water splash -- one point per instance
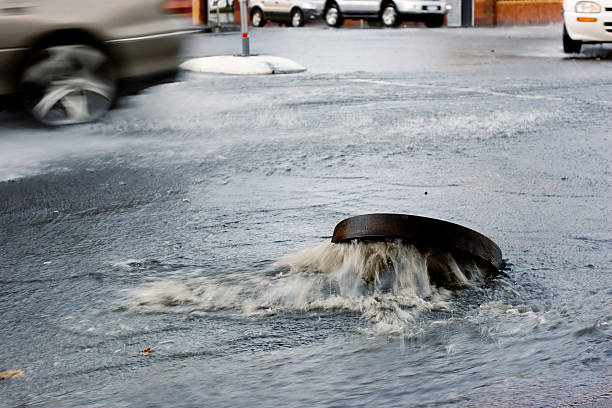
(392, 266)
(387, 283)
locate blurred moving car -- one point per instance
(586, 22)
(66, 57)
(389, 12)
(291, 12)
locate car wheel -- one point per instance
(68, 84)
(389, 16)
(435, 21)
(570, 46)
(297, 18)
(257, 18)
(333, 17)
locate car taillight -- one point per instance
(177, 6)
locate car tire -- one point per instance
(297, 18)
(68, 84)
(389, 16)
(570, 46)
(257, 18)
(333, 17)
(436, 21)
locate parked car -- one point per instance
(291, 12)
(389, 12)
(65, 58)
(586, 22)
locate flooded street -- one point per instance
(195, 219)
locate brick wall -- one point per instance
(489, 13)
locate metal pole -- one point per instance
(244, 26)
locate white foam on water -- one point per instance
(182, 296)
(27, 154)
(387, 283)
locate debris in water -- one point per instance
(9, 374)
(146, 351)
(186, 200)
(47, 263)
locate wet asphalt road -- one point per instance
(159, 225)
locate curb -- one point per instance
(223, 28)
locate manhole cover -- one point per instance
(422, 232)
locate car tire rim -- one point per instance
(331, 17)
(256, 19)
(64, 85)
(296, 20)
(389, 16)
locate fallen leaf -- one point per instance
(46, 262)
(146, 351)
(7, 374)
(186, 200)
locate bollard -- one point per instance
(195, 12)
(244, 28)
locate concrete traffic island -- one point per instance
(244, 64)
(239, 65)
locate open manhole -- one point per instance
(428, 234)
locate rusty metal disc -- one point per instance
(421, 231)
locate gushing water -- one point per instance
(388, 283)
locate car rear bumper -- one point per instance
(421, 7)
(589, 31)
(146, 55)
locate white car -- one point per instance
(586, 22)
(290, 12)
(389, 12)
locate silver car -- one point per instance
(389, 12)
(66, 58)
(290, 12)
